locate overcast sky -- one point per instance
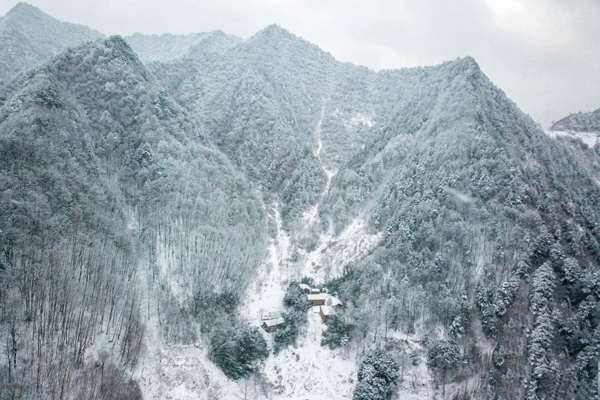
(545, 54)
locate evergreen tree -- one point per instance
(443, 358)
(377, 377)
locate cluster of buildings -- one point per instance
(328, 305)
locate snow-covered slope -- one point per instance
(265, 296)
(584, 126)
(579, 122)
(423, 198)
(589, 138)
(28, 38)
(311, 371)
(168, 47)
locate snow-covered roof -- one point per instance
(274, 321)
(319, 296)
(304, 286)
(315, 290)
(326, 310)
(334, 301)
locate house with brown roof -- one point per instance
(317, 299)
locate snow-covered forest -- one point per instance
(208, 217)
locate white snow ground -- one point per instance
(174, 372)
(306, 371)
(333, 254)
(311, 371)
(265, 297)
(589, 138)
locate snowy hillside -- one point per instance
(590, 138)
(28, 37)
(205, 217)
(583, 126)
(169, 47)
(579, 122)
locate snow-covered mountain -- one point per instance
(162, 196)
(169, 47)
(28, 37)
(579, 122)
(583, 126)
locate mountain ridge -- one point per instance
(23, 45)
(201, 182)
(579, 122)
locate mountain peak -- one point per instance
(274, 32)
(117, 42)
(468, 62)
(29, 37)
(276, 28)
(112, 55)
(24, 13)
(274, 39)
(468, 67)
(29, 18)
(214, 42)
(23, 7)
(169, 47)
(119, 48)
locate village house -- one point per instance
(317, 299)
(305, 288)
(325, 312)
(334, 302)
(271, 325)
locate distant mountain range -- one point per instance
(579, 122)
(28, 38)
(160, 195)
(581, 126)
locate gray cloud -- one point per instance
(544, 53)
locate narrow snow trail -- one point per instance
(328, 173)
(307, 370)
(311, 215)
(332, 253)
(265, 298)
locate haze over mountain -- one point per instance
(169, 47)
(162, 196)
(582, 126)
(580, 122)
(28, 37)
